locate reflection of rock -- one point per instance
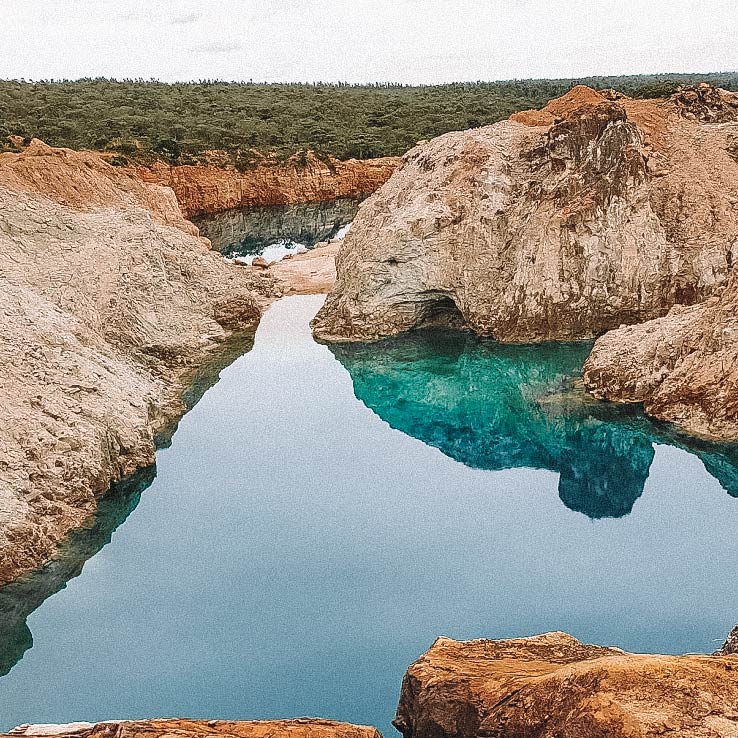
(249, 231)
(499, 406)
(19, 599)
(553, 686)
(299, 728)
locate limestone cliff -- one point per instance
(553, 686)
(203, 190)
(108, 302)
(558, 224)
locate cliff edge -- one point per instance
(108, 302)
(553, 686)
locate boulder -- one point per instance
(299, 728)
(553, 686)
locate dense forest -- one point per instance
(140, 119)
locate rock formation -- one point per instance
(553, 686)
(249, 231)
(683, 367)
(731, 644)
(558, 224)
(203, 190)
(300, 728)
(109, 303)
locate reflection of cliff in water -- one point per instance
(246, 231)
(498, 406)
(20, 598)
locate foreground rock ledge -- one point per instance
(553, 686)
(300, 728)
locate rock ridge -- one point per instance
(203, 190)
(553, 686)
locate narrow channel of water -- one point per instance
(320, 517)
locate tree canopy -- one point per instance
(180, 122)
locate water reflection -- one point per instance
(495, 406)
(250, 231)
(20, 598)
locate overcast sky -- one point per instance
(364, 40)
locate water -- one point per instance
(275, 231)
(321, 516)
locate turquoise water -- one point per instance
(323, 514)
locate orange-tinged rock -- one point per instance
(299, 728)
(203, 190)
(559, 107)
(84, 181)
(553, 686)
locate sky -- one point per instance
(410, 41)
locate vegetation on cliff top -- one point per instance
(180, 122)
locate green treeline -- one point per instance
(179, 122)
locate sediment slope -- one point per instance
(558, 224)
(203, 190)
(108, 301)
(553, 686)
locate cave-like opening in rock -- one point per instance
(439, 310)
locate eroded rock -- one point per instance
(553, 686)
(202, 189)
(683, 366)
(299, 728)
(109, 303)
(559, 224)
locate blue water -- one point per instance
(322, 515)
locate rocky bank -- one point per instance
(553, 686)
(109, 303)
(557, 224)
(203, 190)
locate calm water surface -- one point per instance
(321, 516)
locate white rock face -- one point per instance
(539, 232)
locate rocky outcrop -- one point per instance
(109, 303)
(300, 728)
(554, 686)
(731, 644)
(682, 367)
(557, 224)
(203, 190)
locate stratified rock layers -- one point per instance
(107, 302)
(603, 212)
(300, 728)
(553, 686)
(203, 190)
